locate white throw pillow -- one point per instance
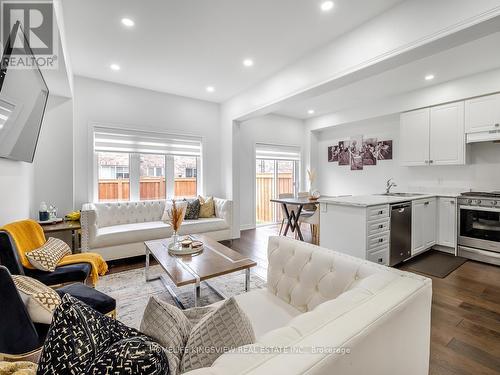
(46, 257)
(168, 206)
(39, 299)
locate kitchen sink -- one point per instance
(401, 194)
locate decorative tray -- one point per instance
(186, 249)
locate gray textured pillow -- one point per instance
(224, 328)
(169, 327)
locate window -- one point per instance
(113, 176)
(152, 184)
(186, 184)
(276, 173)
(145, 166)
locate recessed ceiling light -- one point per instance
(311, 112)
(128, 22)
(248, 62)
(210, 89)
(429, 77)
(115, 67)
(326, 6)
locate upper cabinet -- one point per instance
(447, 134)
(414, 137)
(482, 114)
(433, 136)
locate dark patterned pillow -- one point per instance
(83, 341)
(193, 209)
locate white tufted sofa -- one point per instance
(118, 229)
(320, 299)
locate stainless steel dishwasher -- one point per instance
(400, 243)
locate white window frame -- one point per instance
(134, 167)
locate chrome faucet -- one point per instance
(390, 185)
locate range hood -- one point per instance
(486, 136)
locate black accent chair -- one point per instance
(9, 258)
(20, 337)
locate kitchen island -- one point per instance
(361, 225)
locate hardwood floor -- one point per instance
(465, 328)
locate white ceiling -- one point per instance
(182, 46)
(467, 59)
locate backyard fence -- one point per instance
(267, 211)
(150, 188)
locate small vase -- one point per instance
(176, 244)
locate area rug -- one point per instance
(132, 292)
(434, 263)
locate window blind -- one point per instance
(276, 152)
(120, 140)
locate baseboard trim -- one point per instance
(247, 226)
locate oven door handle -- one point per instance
(477, 208)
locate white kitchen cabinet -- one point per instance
(447, 134)
(447, 222)
(424, 222)
(414, 137)
(482, 114)
(363, 232)
(433, 136)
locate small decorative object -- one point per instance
(176, 217)
(186, 243)
(314, 195)
(52, 212)
(43, 212)
(187, 246)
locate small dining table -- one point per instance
(292, 217)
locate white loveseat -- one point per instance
(318, 299)
(118, 229)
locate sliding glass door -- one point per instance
(273, 178)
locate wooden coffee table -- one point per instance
(215, 260)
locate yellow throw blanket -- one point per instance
(28, 235)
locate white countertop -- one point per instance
(375, 200)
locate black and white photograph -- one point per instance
(355, 153)
(368, 151)
(344, 153)
(383, 150)
(333, 153)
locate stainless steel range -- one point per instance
(479, 226)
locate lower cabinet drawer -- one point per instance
(377, 240)
(378, 212)
(378, 226)
(380, 257)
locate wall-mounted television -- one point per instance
(23, 98)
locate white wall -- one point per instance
(480, 173)
(270, 129)
(16, 190)
(108, 103)
(53, 162)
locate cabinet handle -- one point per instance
(452, 202)
(380, 226)
(381, 240)
(431, 161)
(497, 125)
(426, 203)
(380, 260)
(380, 212)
